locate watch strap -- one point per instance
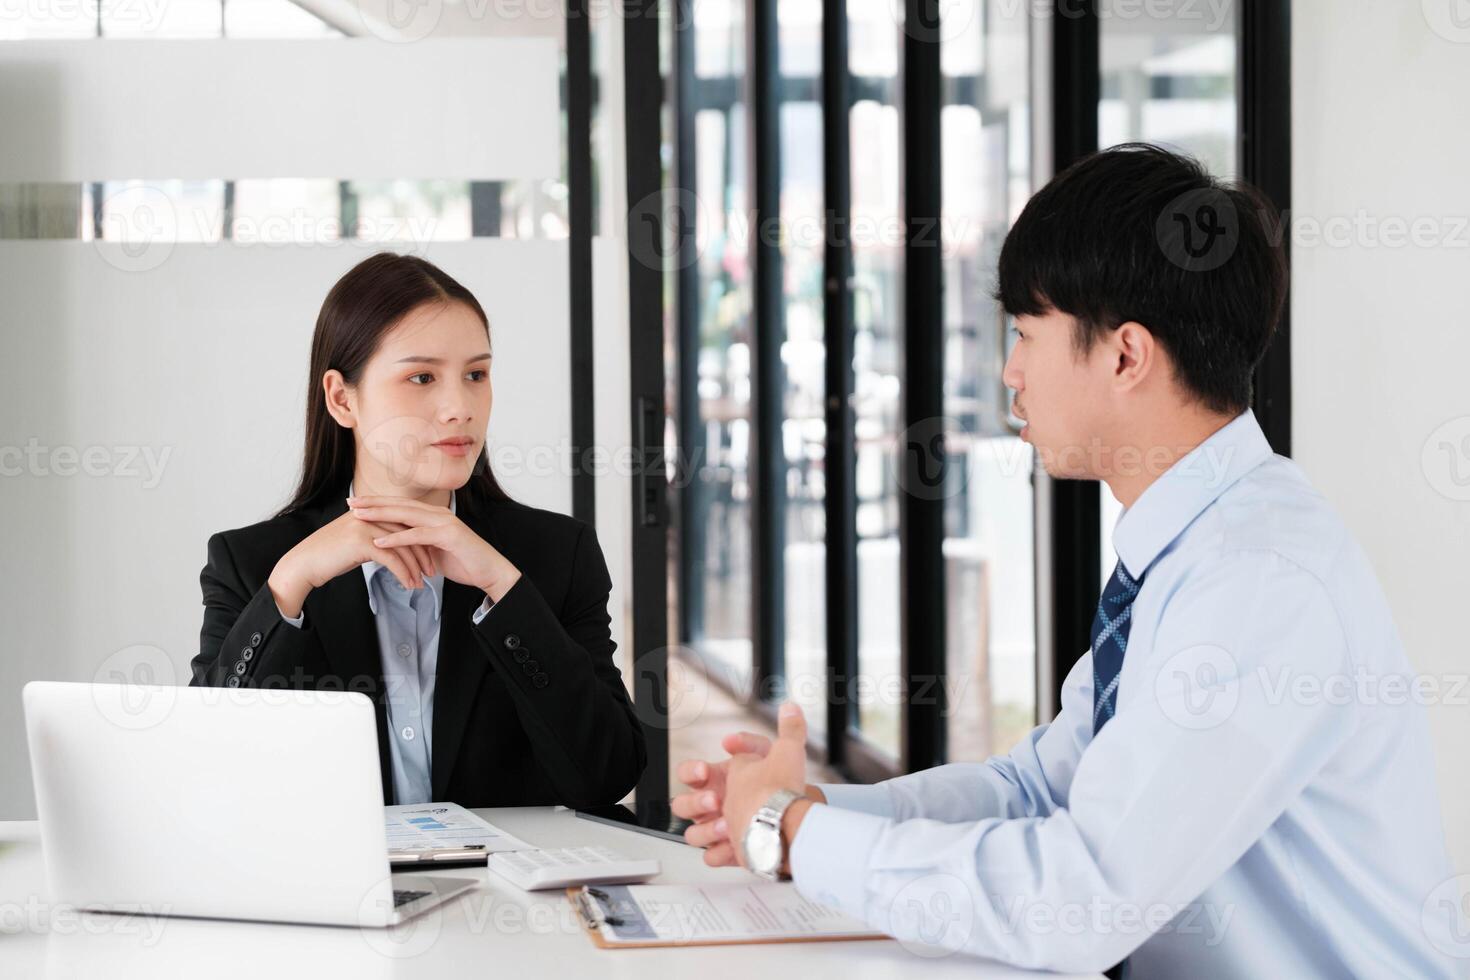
(771, 814)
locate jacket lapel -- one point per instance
(340, 614)
(349, 638)
(462, 664)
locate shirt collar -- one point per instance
(1186, 490)
(435, 583)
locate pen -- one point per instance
(437, 853)
(609, 918)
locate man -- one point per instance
(1229, 789)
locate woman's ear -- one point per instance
(339, 399)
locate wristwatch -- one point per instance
(762, 843)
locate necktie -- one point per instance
(1110, 642)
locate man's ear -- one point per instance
(1135, 354)
(339, 399)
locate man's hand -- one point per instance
(752, 779)
(705, 802)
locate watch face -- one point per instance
(763, 848)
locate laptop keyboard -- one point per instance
(401, 898)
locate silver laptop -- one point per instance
(217, 802)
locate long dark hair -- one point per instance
(362, 306)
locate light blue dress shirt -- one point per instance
(408, 645)
(1262, 804)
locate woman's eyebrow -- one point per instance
(421, 359)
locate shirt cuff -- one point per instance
(826, 857)
(874, 799)
(297, 620)
(485, 606)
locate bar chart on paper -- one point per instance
(425, 826)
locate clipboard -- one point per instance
(595, 906)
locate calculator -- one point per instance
(566, 866)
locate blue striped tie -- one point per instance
(1110, 642)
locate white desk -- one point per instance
(495, 931)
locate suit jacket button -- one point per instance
(530, 667)
(522, 655)
(512, 642)
(232, 681)
(255, 639)
(246, 654)
(540, 680)
(240, 666)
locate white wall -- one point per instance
(1381, 332)
(202, 109)
(612, 416)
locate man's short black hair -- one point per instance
(1137, 233)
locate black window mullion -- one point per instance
(486, 215)
(643, 87)
(1265, 161)
(692, 493)
(347, 204)
(840, 456)
(1072, 576)
(1076, 82)
(921, 516)
(768, 458)
(579, 235)
(227, 216)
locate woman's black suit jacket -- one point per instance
(529, 708)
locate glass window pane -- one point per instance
(719, 39)
(799, 37)
(44, 210)
(878, 257)
(874, 37)
(412, 210)
(534, 209)
(1170, 79)
(717, 528)
(988, 548)
(144, 211)
(279, 210)
(286, 210)
(803, 359)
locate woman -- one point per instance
(479, 626)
